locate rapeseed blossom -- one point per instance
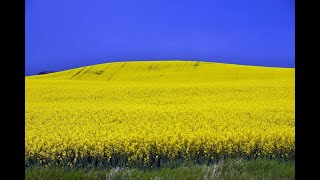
(148, 112)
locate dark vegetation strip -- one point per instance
(154, 160)
(224, 169)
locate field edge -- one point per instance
(227, 169)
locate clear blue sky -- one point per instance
(64, 34)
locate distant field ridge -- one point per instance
(168, 71)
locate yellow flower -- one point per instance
(213, 109)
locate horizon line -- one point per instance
(144, 60)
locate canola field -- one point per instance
(147, 113)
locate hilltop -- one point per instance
(173, 71)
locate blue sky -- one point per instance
(64, 34)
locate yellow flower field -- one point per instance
(146, 113)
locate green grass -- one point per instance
(227, 169)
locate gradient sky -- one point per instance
(64, 34)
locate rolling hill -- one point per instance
(169, 71)
(157, 113)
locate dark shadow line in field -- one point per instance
(114, 73)
(87, 70)
(78, 72)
